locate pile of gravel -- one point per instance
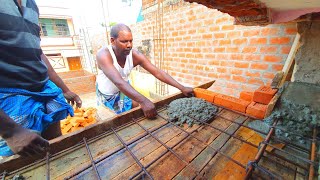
(191, 111)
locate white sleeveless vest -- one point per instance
(105, 85)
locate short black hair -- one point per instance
(114, 32)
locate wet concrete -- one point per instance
(298, 111)
(189, 110)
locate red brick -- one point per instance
(233, 34)
(231, 102)
(239, 41)
(269, 31)
(291, 30)
(239, 78)
(256, 110)
(268, 75)
(251, 32)
(256, 81)
(241, 65)
(255, 41)
(232, 49)
(246, 95)
(280, 40)
(268, 49)
(219, 35)
(236, 71)
(205, 94)
(207, 36)
(225, 42)
(249, 50)
(285, 49)
(252, 57)
(277, 67)
(228, 27)
(253, 74)
(259, 66)
(264, 94)
(219, 49)
(269, 58)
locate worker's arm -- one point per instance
(140, 59)
(105, 63)
(69, 95)
(20, 140)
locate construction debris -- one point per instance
(191, 111)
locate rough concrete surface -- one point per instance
(298, 111)
(308, 55)
(189, 110)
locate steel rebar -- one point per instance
(91, 159)
(313, 153)
(131, 153)
(260, 152)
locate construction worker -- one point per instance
(32, 95)
(115, 63)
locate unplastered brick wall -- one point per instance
(204, 45)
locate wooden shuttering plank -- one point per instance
(122, 164)
(215, 139)
(290, 58)
(76, 159)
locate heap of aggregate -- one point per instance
(191, 111)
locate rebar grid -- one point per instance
(251, 165)
(91, 159)
(131, 153)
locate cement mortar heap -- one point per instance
(294, 119)
(191, 111)
(298, 113)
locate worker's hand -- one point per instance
(187, 91)
(148, 109)
(26, 143)
(73, 98)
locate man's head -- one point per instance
(121, 38)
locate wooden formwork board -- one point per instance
(199, 159)
(220, 149)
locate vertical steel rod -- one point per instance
(134, 157)
(261, 151)
(48, 165)
(91, 159)
(313, 153)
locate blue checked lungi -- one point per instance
(118, 102)
(33, 110)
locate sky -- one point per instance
(90, 12)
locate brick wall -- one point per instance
(203, 45)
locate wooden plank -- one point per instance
(218, 162)
(112, 167)
(277, 79)
(290, 58)
(78, 158)
(234, 171)
(200, 160)
(66, 141)
(216, 142)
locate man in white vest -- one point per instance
(115, 63)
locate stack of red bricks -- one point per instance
(252, 103)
